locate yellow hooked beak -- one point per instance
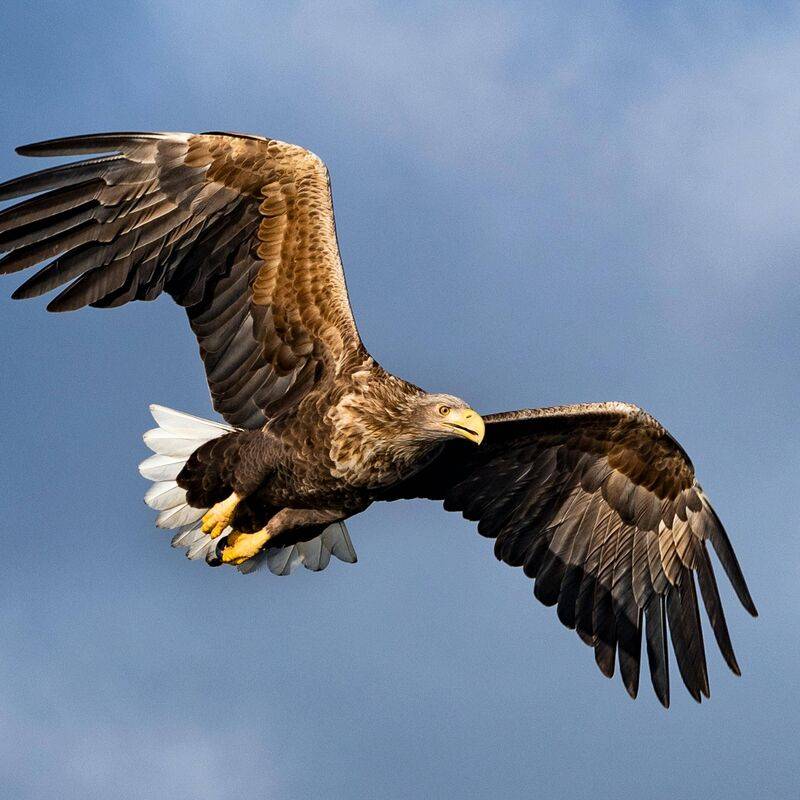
(467, 423)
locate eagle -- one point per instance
(596, 502)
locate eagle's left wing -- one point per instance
(599, 504)
(239, 230)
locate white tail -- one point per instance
(177, 436)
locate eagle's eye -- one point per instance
(444, 410)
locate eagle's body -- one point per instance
(597, 502)
(358, 449)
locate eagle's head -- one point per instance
(382, 428)
(435, 417)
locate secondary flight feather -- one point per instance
(597, 503)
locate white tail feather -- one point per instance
(195, 427)
(165, 495)
(161, 468)
(176, 438)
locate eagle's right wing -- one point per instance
(598, 504)
(239, 230)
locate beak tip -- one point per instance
(481, 429)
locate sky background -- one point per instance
(537, 203)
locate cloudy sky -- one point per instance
(537, 203)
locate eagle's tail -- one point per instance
(177, 436)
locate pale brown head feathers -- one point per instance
(384, 427)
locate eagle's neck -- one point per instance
(371, 445)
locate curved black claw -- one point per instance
(214, 555)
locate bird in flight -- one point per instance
(597, 502)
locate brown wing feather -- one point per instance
(599, 504)
(237, 229)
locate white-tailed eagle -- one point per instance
(597, 503)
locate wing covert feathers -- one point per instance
(600, 506)
(239, 230)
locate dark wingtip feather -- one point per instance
(53, 308)
(36, 285)
(713, 604)
(687, 636)
(65, 302)
(657, 654)
(84, 143)
(605, 663)
(546, 591)
(605, 657)
(629, 649)
(65, 175)
(631, 687)
(58, 306)
(724, 550)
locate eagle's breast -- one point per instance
(365, 448)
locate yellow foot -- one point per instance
(216, 519)
(242, 546)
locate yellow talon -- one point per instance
(217, 518)
(243, 546)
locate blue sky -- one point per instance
(537, 203)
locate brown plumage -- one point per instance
(597, 503)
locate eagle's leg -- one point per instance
(219, 516)
(236, 547)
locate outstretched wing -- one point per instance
(600, 505)
(239, 230)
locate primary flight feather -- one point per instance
(597, 503)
